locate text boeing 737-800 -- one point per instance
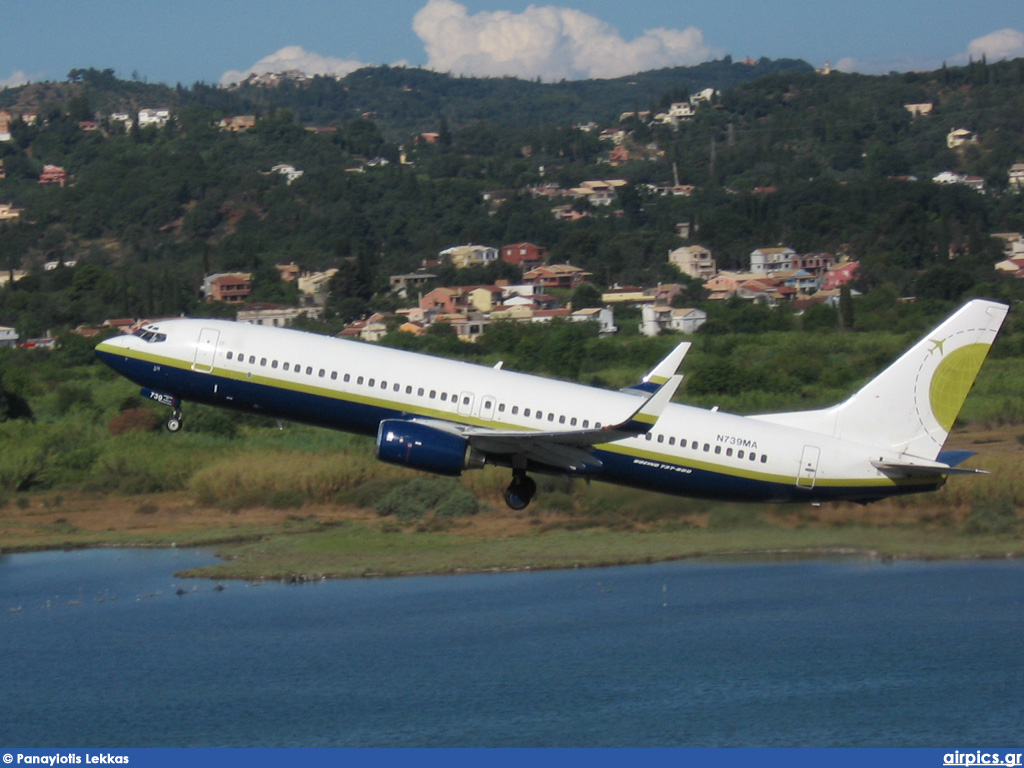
(445, 417)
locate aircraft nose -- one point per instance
(110, 349)
(109, 345)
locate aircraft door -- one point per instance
(487, 408)
(808, 472)
(466, 404)
(206, 348)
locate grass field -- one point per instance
(332, 528)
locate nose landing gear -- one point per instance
(174, 424)
(520, 491)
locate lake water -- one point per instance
(98, 649)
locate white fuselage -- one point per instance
(353, 386)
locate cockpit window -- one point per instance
(150, 336)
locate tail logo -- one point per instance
(952, 380)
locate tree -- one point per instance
(13, 406)
(586, 296)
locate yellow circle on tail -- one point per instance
(952, 380)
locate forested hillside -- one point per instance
(816, 162)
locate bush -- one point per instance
(416, 498)
(71, 395)
(992, 515)
(285, 499)
(735, 518)
(133, 420)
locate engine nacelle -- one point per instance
(410, 444)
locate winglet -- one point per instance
(645, 417)
(661, 373)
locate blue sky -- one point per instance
(172, 41)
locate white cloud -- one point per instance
(547, 42)
(1004, 44)
(881, 65)
(17, 78)
(295, 57)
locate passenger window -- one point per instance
(397, 387)
(515, 410)
(540, 415)
(764, 458)
(551, 417)
(433, 394)
(740, 455)
(526, 412)
(334, 375)
(371, 382)
(501, 407)
(753, 456)
(252, 359)
(682, 442)
(671, 441)
(420, 391)
(586, 424)
(274, 364)
(230, 354)
(718, 450)
(322, 373)
(728, 451)
(348, 377)
(359, 380)
(561, 419)
(263, 362)
(285, 366)
(706, 447)
(648, 437)
(309, 370)
(661, 438)
(383, 385)
(444, 397)
(408, 389)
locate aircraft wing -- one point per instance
(564, 450)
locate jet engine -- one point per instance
(411, 444)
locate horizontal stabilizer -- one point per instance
(923, 468)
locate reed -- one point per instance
(255, 476)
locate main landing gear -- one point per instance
(520, 491)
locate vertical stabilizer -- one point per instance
(911, 406)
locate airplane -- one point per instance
(445, 416)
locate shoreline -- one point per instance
(768, 555)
